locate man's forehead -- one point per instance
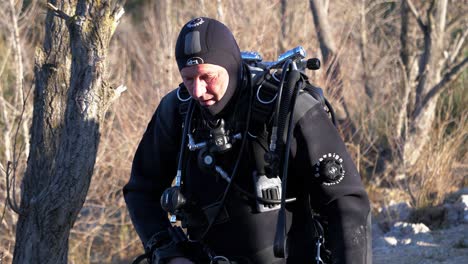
(201, 69)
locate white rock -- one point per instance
(464, 200)
(410, 229)
(406, 241)
(391, 240)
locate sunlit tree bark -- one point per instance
(70, 101)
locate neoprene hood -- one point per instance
(206, 40)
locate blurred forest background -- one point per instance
(372, 74)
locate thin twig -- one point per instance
(402, 116)
(6, 60)
(458, 46)
(7, 104)
(11, 202)
(6, 198)
(11, 166)
(416, 14)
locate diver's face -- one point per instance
(206, 83)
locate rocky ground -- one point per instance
(442, 238)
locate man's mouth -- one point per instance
(207, 102)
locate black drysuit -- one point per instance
(248, 234)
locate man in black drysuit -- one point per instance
(219, 86)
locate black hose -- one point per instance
(278, 108)
(187, 123)
(293, 78)
(330, 110)
(279, 246)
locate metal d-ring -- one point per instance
(252, 135)
(274, 76)
(262, 101)
(180, 98)
(216, 258)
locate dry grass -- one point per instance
(141, 57)
(434, 175)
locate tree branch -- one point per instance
(448, 77)
(373, 4)
(404, 50)
(403, 114)
(10, 188)
(458, 46)
(6, 60)
(456, 21)
(118, 91)
(118, 13)
(58, 12)
(416, 14)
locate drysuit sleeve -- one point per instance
(333, 182)
(153, 169)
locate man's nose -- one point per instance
(199, 88)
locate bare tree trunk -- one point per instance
(283, 26)
(405, 57)
(162, 25)
(331, 61)
(219, 10)
(283, 9)
(433, 76)
(70, 102)
(322, 27)
(202, 5)
(18, 54)
(363, 48)
(428, 76)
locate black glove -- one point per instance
(172, 243)
(161, 247)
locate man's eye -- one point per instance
(209, 77)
